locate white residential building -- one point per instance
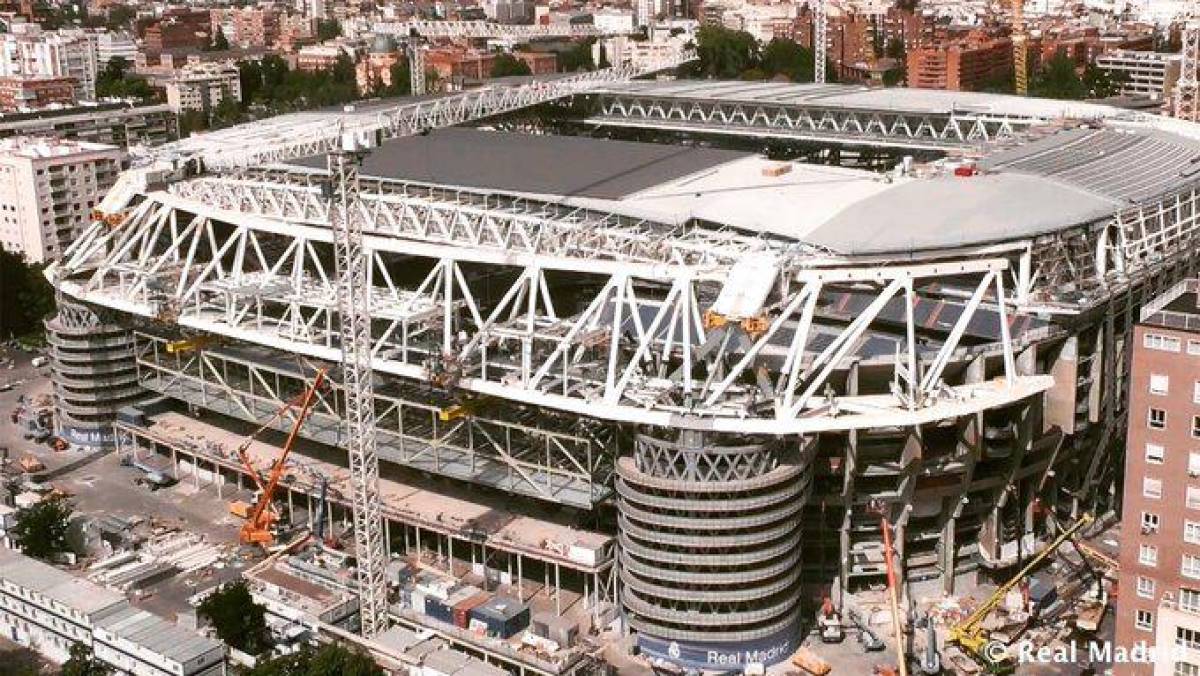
(49, 610)
(111, 45)
(611, 20)
(48, 188)
(29, 50)
(1147, 74)
(203, 86)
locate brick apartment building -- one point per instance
(179, 28)
(857, 39)
(964, 65)
(248, 27)
(1160, 523)
(18, 92)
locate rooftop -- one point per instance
(57, 585)
(1177, 308)
(153, 633)
(37, 147)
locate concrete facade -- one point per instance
(1160, 553)
(203, 87)
(48, 189)
(1149, 74)
(119, 124)
(30, 51)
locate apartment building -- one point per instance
(179, 28)
(1160, 553)
(118, 124)
(203, 86)
(314, 58)
(1149, 75)
(115, 45)
(32, 52)
(18, 92)
(249, 26)
(48, 188)
(49, 610)
(962, 65)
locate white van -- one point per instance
(39, 362)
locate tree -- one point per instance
(21, 661)
(725, 53)
(328, 30)
(26, 297)
(1058, 80)
(119, 17)
(219, 42)
(507, 64)
(226, 113)
(788, 58)
(237, 619)
(192, 121)
(327, 660)
(401, 74)
(83, 662)
(578, 58)
(116, 81)
(41, 528)
(1101, 83)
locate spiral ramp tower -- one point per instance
(711, 546)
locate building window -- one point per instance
(1196, 392)
(1191, 532)
(1193, 497)
(1156, 341)
(1187, 638)
(1144, 620)
(1145, 587)
(1190, 566)
(1194, 347)
(1148, 555)
(1152, 488)
(1159, 383)
(1149, 522)
(1155, 454)
(1196, 426)
(1189, 600)
(1186, 669)
(1157, 419)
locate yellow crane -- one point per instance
(969, 634)
(1020, 43)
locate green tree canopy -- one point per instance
(21, 661)
(578, 58)
(1058, 80)
(237, 619)
(41, 528)
(117, 81)
(327, 660)
(788, 58)
(328, 30)
(725, 53)
(83, 662)
(507, 64)
(219, 42)
(27, 297)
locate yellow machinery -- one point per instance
(969, 635)
(190, 344)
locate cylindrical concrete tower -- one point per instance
(93, 373)
(710, 548)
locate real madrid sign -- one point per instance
(732, 657)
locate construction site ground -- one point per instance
(102, 487)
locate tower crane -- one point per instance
(1020, 45)
(416, 67)
(353, 296)
(820, 28)
(1187, 89)
(258, 525)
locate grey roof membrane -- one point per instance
(554, 165)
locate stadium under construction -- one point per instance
(694, 369)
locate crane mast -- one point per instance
(359, 396)
(1020, 40)
(819, 40)
(1187, 89)
(416, 68)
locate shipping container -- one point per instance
(502, 616)
(462, 609)
(554, 628)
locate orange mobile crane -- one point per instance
(261, 518)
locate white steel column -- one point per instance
(359, 415)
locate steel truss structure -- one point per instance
(639, 351)
(513, 451)
(319, 137)
(810, 121)
(1187, 89)
(484, 30)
